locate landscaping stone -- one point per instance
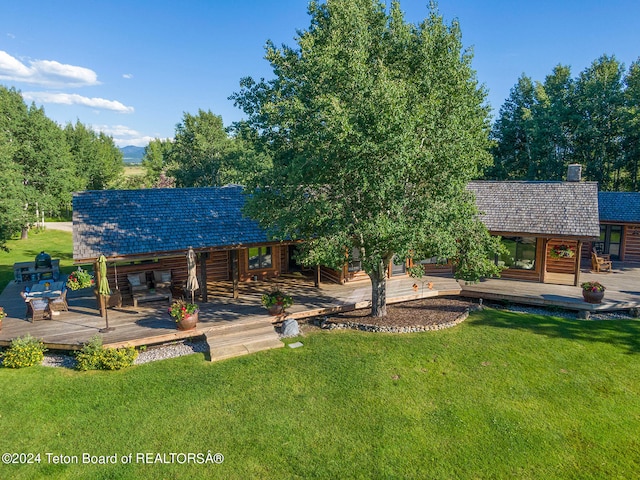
(295, 345)
(290, 328)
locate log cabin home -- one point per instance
(151, 230)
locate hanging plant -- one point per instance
(79, 279)
(562, 251)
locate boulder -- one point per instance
(290, 328)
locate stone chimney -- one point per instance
(574, 172)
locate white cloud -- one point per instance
(123, 135)
(75, 99)
(127, 75)
(45, 72)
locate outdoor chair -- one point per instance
(600, 264)
(59, 304)
(162, 279)
(138, 282)
(38, 309)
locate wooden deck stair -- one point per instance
(242, 339)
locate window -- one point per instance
(521, 253)
(260, 257)
(355, 265)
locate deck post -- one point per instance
(578, 259)
(235, 273)
(203, 274)
(317, 276)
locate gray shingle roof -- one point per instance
(539, 208)
(116, 223)
(619, 207)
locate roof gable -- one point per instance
(539, 208)
(118, 223)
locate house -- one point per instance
(543, 225)
(151, 230)
(147, 230)
(619, 226)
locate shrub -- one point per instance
(24, 352)
(93, 356)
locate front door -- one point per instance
(611, 240)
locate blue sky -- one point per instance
(131, 68)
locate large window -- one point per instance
(259, 258)
(521, 253)
(355, 265)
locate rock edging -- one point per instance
(391, 329)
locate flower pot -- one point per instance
(188, 322)
(592, 297)
(430, 285)
(276, 309)
(415, 287)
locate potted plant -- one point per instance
(276, 302)
(185, 314)
(79, 279)
(2, 315)
(593, 292)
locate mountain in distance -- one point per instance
(132, 154)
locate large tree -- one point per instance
(375, 127)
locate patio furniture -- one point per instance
(38, 309)
(151, 296)
(600, 264)
(59, 304)
(162, 279)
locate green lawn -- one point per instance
(503, 395)
(56, 243)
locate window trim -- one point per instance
(263, 251)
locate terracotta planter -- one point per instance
(276, 309)
(415, 287)
(592, 297)
(188, 323)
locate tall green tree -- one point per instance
(97, 160)
(199, 151)
(155, 159)
(513, 133)
(631, 120)
(375, 126)
(599, 102)
(554, 122)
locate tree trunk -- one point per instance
(25, 233)
(379, 291)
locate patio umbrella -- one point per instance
(192, 279)
(103, 290)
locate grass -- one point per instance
(503, 395)
(56, 243)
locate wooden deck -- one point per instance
(623, 291)
(149, 323)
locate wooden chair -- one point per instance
(59, 304)
(600, 264)
(38, 309)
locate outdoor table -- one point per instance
(39, 290)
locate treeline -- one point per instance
(592, 120)
(42, 163)
(203, 153)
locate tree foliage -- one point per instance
(591, 120)
(41, 164)
(375, 126)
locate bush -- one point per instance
(93, 356)
(24, 352)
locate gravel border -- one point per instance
(150, 354)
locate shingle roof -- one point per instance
(116, 223)
(619, 206)
(539, 208)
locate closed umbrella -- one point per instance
(103, 290)
(192, 279)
